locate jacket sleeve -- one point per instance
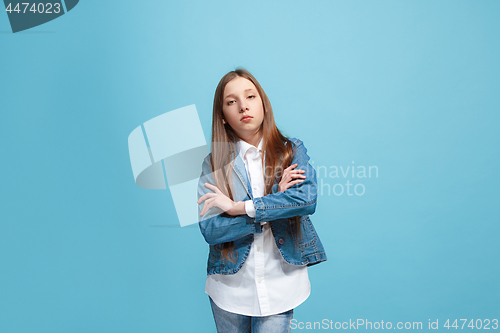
(298, 200)
(217, 226)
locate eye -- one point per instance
(230, 102)
(251, 96)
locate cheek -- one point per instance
(226, 114)
(262, 113)
(231, 118)
(261, 107)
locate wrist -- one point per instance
(238, 208)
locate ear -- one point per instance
(223, 121)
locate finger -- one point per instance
(208, 185)
(212, 203)
(205, 197)
(206, 207)
(213, 187)
(290, 184)
(201, 199)
(296, 182)
(294, 171)
(298, 176)
(203, 210)
(291, 166)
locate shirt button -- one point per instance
(258, 248)
(281, 241)
(259, 281)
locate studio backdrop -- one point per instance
(107, 109)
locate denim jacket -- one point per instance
(278, 208)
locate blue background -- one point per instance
(408, 86)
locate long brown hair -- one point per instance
(278, 148)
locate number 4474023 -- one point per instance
(478, 324)
(47, 8)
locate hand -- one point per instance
(287, 179)
(217, 199)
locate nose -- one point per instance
(243, 106)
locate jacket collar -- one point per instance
(239, 166)
(243, 146)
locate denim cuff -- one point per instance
(259, 209)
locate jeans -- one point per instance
(228, 322)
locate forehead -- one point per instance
(238, 85)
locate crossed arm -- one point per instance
(222, 220)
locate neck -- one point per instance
(253, 139)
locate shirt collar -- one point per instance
(243, 146)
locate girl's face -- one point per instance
(242, 108)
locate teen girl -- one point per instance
(256, 192)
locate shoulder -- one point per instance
(207, 160)
(296, 142)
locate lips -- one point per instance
(246, 118)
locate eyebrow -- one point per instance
(245, 91)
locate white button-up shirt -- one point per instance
(266, 284)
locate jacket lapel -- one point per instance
(241, 172)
